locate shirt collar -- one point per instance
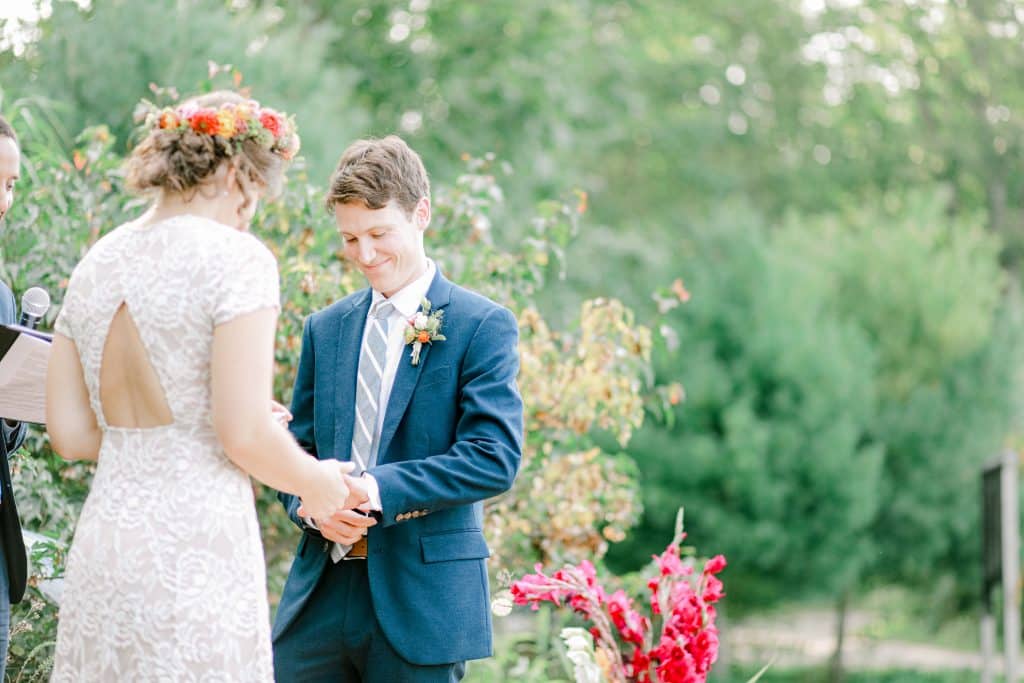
(407, 300)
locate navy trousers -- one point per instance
(336, 638)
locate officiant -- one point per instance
(13, 567)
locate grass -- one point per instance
(817, 675)
(900, 614)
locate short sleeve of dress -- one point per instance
(248, 280)
(65, 318)
(63, 324)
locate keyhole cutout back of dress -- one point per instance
(130, 392)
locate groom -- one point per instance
(397, 590)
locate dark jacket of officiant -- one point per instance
(12, 433)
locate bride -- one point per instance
(161, 370)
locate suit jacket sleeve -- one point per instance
(301, 425)
(13, 433)
(483, 459)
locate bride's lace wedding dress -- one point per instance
(165, 577)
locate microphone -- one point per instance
(34, 304)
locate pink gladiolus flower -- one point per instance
(687, 645)
(715, 564)
(713, 589)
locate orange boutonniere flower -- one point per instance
(424, 328)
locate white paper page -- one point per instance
(23, 380)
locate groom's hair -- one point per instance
(375, 171)
(7, 131)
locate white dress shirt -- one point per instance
(407, 303)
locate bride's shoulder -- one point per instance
(218, 239)
(108, 242)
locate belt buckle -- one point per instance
(358, 549)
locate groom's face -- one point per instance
(385, 244)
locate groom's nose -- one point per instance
(366, 252)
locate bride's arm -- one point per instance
(70, 420)
(242, 380)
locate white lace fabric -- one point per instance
(165, 577)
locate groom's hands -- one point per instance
(348, 525)
(345, 526)
(358, 497)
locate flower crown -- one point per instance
(232, 121)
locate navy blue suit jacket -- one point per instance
(451, 438)
(11, 542)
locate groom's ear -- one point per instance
(421, 214)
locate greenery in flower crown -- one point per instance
(232, 121)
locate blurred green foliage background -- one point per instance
(835, 184)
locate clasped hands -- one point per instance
(350, 523)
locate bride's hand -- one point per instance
(326, 490)
(280, 413)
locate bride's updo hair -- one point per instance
(184, 146)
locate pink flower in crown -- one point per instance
(186, 111)
(272, 121)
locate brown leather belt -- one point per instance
(358, 550)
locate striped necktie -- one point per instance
(372, 359)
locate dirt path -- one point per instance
(806, 639)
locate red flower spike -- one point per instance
(715, 564)
(686, 647)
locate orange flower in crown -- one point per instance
(168, 119)
(205, 121)
(235, 122)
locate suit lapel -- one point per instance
(439, 294)
(350, 339)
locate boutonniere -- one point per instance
(424, 328)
